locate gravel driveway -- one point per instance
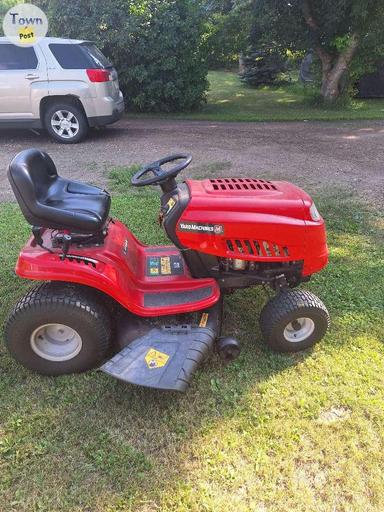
(312, 154)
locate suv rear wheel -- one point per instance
(66, 123)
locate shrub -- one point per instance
(154, 44)
(262, 67)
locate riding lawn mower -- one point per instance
(150, 315)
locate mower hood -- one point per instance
(253, 219)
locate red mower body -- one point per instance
(121, 269)
(255, 220)
(231, 219)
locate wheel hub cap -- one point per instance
(65, 124)
(56, 342)
(299, 330)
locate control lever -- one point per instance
(36, 231)
(67, 239)
(37, 235)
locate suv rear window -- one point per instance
(16, 57)
(96, 55)
(79, 56)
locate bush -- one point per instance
(262, 67)
(154, 44)
(225, 39)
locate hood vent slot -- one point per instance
(81, 259)
(243, 184)
(261, 248)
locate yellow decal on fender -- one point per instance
(166, 266)
(155, 359)
(204, 320)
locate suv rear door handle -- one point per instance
(31, 76)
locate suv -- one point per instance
(62, 85)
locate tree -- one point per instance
(5, 5)
(262, 67)
(346, 35)
(226, 31)
(156, 46)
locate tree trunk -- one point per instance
(334, 70)
(330, 87)
(241, 64)
(333, 66)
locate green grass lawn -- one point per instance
(230, 100)
(268, 433)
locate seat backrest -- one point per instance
(31, 173)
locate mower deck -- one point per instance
(167, 357)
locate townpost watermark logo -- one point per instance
(25, 24)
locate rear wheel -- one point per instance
(294, 320)
(57, 329)
(66, 123)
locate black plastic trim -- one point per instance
(155, 300)
(170, 220)
(200, 263)
(150, 250)
(104, 120)
(26, 124)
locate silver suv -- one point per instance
(62, 85)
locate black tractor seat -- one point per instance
(49, 201)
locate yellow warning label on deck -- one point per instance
(171, 203)
(204, 320)
(155, 359)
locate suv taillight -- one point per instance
(99, 75)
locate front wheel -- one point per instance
(57, 329)
(294, 320)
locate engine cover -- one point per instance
(251, 219)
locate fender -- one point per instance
(119, 269)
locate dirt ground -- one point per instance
(312, 154)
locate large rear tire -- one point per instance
(58, 328)
(294, 320)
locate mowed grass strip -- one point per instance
(229, 99)
(269, 432)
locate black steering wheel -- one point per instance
(158, 175)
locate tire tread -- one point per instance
(52, 294)
(285, 303)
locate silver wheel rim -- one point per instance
(65, 124)
(56, 342)
(299, 330)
